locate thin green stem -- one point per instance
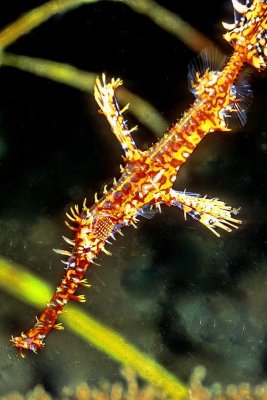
(23, 285)
(117, 347)
(82, 80)
(36, 17)
(171, 23)
(159, 15)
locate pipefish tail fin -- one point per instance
(248, 33)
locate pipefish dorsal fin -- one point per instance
(206, 82)
(210, 59)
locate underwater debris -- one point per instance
(133, 390)
(242, 391)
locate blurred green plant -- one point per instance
(27, 287)
(83, 80)
(161, 16)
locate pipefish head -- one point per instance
(248, 33)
